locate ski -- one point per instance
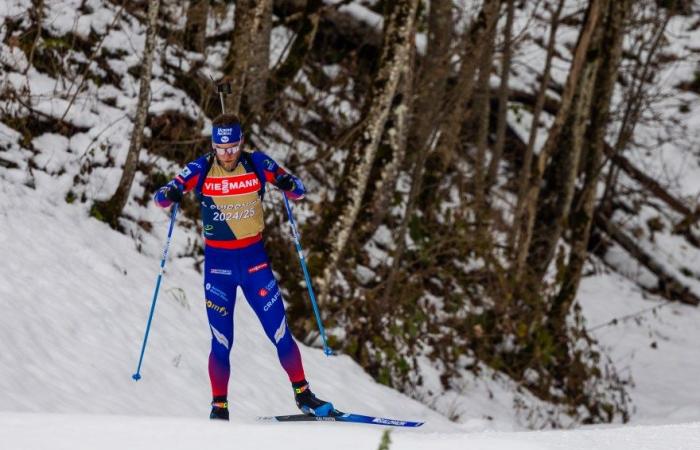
(342, 417)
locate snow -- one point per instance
(57, 432)
(654, 341)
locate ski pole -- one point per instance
(326, 349)
(173, 213)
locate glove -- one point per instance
(173, 194)
(286, 182)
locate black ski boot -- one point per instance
(219, 409)
(308, 403)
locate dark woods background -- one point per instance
(459, 190)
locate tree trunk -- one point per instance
(545, 214)
(432, 78)
(340, 218)
(582, 216)
(430, 94)
(455, 105)
(482, 110)
(247, 22)
(502, 98)
(259, 69)
(460, 96)
(397, 134)
(515, 237)
(110, 210)
(196, 26)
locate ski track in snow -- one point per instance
(58, 432)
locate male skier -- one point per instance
(229, 184)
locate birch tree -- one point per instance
(112, 208)
(539, 254)
(564, 144)
(341, 217)
(582, 216)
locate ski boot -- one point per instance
(219, 409)
(308, 403)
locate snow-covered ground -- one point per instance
(654, 341)
(60, 432)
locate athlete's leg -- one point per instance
(264, 296)
(220, 297)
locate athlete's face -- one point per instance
(228, 154)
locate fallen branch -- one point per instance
(669, 286)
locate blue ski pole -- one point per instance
(326, 349)
(173, 213)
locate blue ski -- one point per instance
(342, 417)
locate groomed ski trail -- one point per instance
(32, 431)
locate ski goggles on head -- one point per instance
(230, 150)
(226, 134)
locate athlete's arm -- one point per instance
(275, 174)
(184, 182)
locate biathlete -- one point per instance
(229, 184)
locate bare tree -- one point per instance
(524, 178)
(112, 208)
(397, 134)
(196, 25)
(539, 253)
(259, 68)
(430, 94)
(582, 215)
(340, 218)
(248, 21)
(564, 145)
(481, 110)
(460, 95)
(502, 96)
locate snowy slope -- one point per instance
(73, 307)
(655, 342)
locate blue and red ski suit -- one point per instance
(234, 255)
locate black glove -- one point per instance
(173, 194)
(286, 182)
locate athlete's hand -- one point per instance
(285, 182)
(173, 194)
